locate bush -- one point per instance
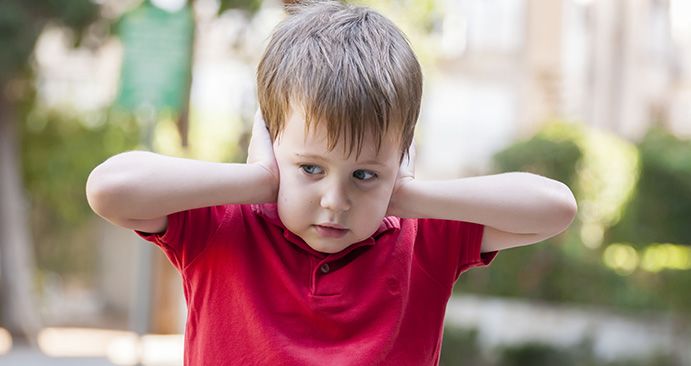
(632, 194)
(460, 347)
(661, 210)
(58, 153)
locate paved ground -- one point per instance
(29, 357)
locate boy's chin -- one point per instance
(328, 248)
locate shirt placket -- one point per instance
(321, 268)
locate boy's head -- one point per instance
(339, 88)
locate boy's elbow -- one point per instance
(99, 192)
(104, 188)
(566, 208)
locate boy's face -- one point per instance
(321, 188)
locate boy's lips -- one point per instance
(330, 230)
(333, 226)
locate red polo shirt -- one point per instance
(257, 294)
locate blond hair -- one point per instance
(345, 65)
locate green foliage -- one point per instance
(251, 6)
(21, 22)
(544, 156)
(59, 149)
(75, 14)
(540, 354)
(460, 347)
(536, 354)
(58, 152)
(17, 38)
(657, 209)
(663, 201)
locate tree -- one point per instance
(21, 22)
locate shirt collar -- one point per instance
(269, 212)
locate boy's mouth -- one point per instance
(330, 230)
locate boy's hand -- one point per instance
(260, 150)
(406, 174)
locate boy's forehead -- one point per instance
(313, 142)
(318, 148)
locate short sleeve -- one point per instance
(187, 234)
(451, 247)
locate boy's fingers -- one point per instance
(260, 142)
(259, 128)
(412, 152)
(409, 161)
(258, 121)
(258, 116)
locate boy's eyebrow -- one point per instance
(317, 157)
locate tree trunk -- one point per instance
(18, 306)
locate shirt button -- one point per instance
(324, 268)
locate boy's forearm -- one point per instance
(144, 185)
(521, 203)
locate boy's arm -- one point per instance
(516, 208)
(138, 189)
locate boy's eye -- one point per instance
(311, 169)
(364, 175)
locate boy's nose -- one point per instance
(335, 199)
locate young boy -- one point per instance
(324, 249)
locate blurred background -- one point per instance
(594, 93)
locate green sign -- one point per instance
(157, 57)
